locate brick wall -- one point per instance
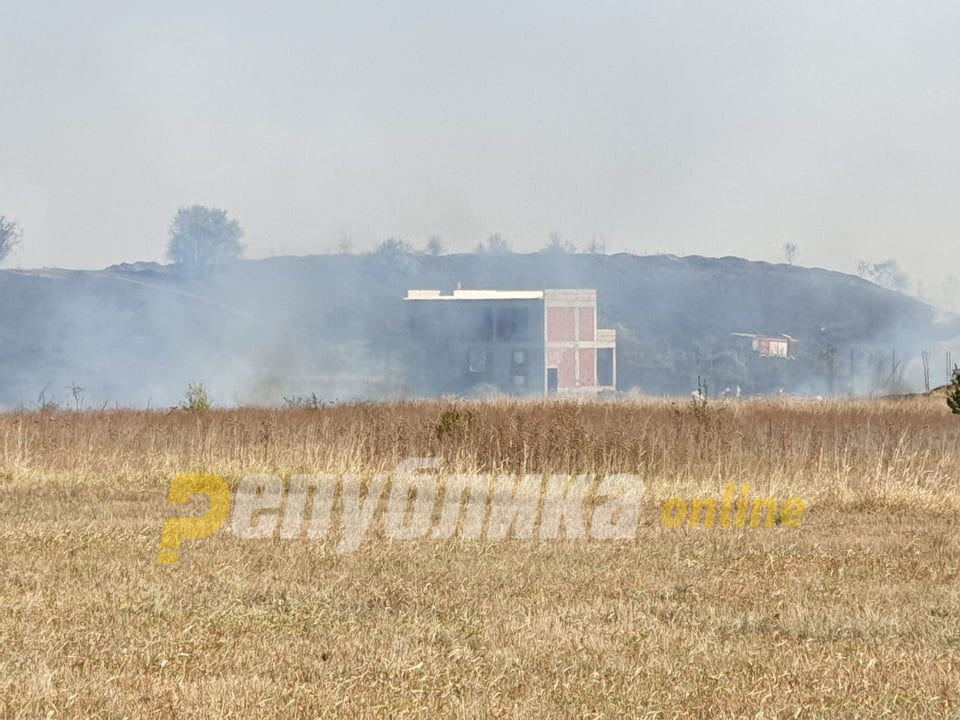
(564, 360)
(588, 366)
(560, 324)
(586, 324)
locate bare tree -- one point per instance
(890, 275)
(790, 252)
(886, 274)
(10, 235)
(202, 236)
(557, 245)
(891, 383)
(597, 246)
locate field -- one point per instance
(856, 613)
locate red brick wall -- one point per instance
(586, 323)
(560, 324)
(588, 367)
(565, 362)
(569, 325)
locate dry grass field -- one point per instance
(854, 614)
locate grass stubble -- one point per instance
(854, 614)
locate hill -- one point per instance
(258, 330)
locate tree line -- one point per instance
(201, 236)
(198, 236)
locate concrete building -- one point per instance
(771, 347)
(514, 341)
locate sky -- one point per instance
(714, 128)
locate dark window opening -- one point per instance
(605, 366)
(475, 324)
(513, 323)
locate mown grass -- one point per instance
(854, 614)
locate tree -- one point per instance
(597, 246)
(202, 236)
(435, 245)
(953, 391)
(196, 399)
(9, 237)
(496, 245)
(886, 274)
(557, 245)
(889, 275)
(392, 247)
(790, 251)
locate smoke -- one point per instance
(334, 327)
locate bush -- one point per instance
(195, 399)
(453, 422)
(953, 391)
(304, 402)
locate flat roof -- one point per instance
(476, 295)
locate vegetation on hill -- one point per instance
(10, 234)
(258, 330)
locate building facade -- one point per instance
(771, 347)
(513, 341)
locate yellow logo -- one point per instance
(674, 511)
(176, 530)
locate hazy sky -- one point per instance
(714, 128)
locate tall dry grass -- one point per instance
(855, 614)
(838, 451)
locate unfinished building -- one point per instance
(513, 341)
